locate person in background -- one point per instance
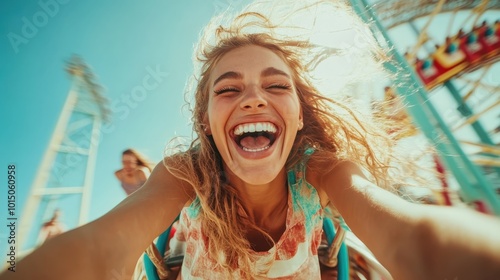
(136, 170)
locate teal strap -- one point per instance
(291, 177)
(161, 244)
(343, 257)
(300, 167)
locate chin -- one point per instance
(259, 180)
(257, 175)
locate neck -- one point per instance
(263, 202)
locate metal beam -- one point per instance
(58, 191)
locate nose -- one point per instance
(253, 99)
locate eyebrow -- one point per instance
(270, 71)
(228, 75)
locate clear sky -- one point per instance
(120, 40)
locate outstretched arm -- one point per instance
(415, 241)
(111, 244)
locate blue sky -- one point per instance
(122, 41)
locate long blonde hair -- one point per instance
(335, 131)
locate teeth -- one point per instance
(259, 127)
(254, 127)
(255, 150)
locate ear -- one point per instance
(207, 130)
(301, 120)
(206, 125)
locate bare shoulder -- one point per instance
(144, 169)
(324, 174)
(143, 172)
(317, 168)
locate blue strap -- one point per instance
(161, 244)
(150, 269)
(343, 257)
(292, 179)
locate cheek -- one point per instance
(218, 113)
(209, 114)
(292, 110)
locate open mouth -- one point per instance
(255, 137)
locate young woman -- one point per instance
(136, 169)
(272, 154)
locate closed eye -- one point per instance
(226, 89)
(279, 86)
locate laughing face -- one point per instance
(253, 113)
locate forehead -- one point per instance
(248, 59)
(129, 156)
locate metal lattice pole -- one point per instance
(67, 167)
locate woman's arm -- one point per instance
(109, 246)
(118, 174)
(459, 243)
(415, 241)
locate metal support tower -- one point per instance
(65, 176)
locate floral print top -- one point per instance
(295, 254)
